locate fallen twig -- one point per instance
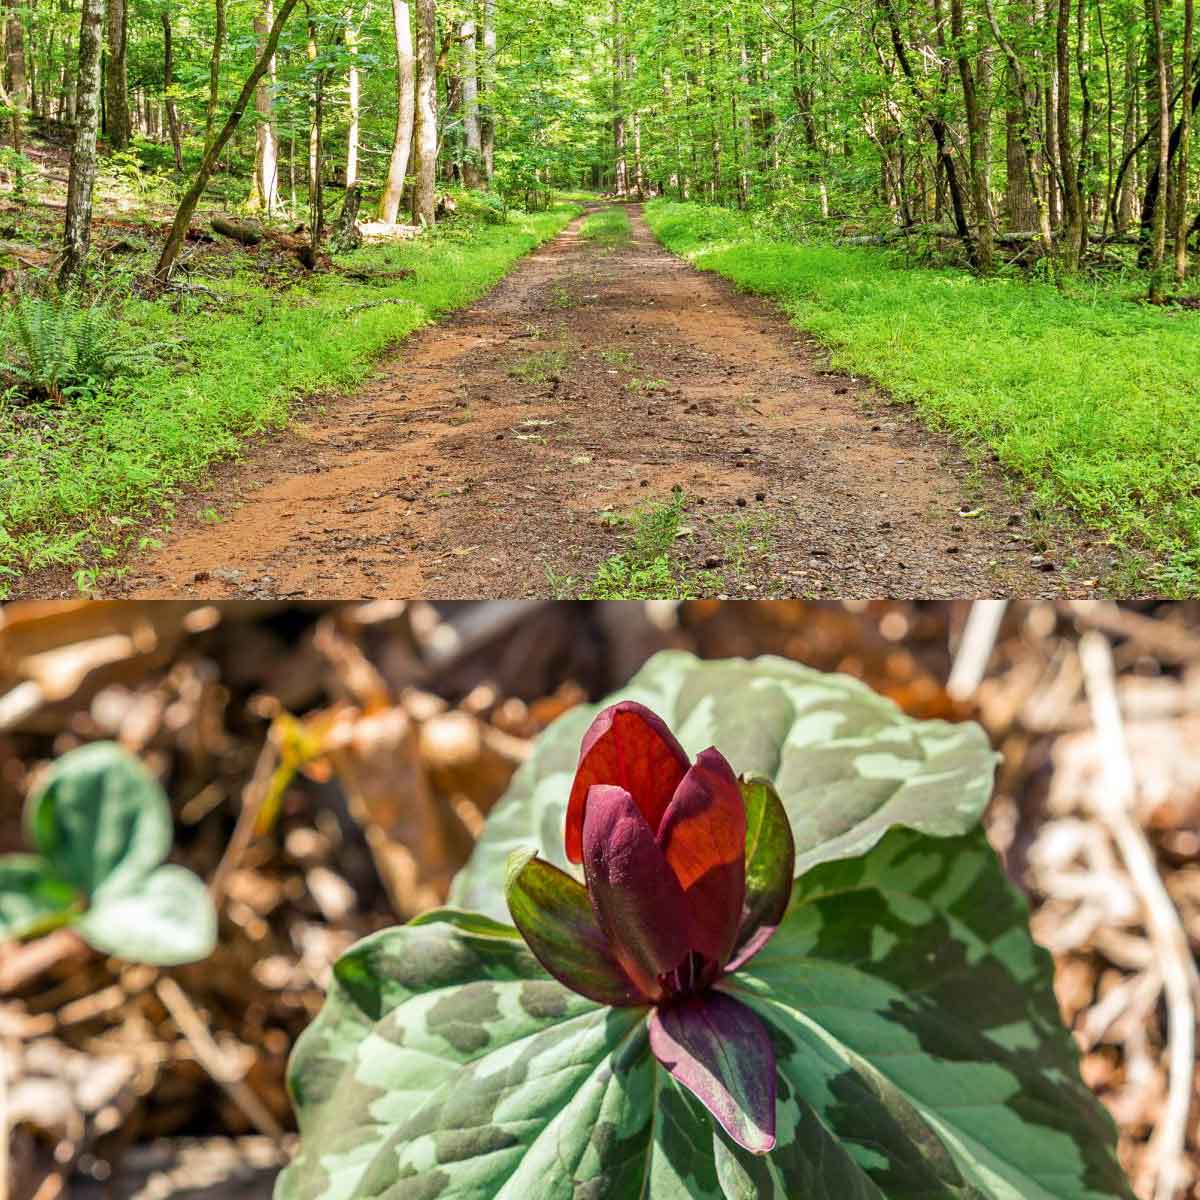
(975, 648)
(254, 794)
(1112, 802)
(210, 1057)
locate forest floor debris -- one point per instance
(510, 448)
(169, 1083)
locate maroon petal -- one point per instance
(629, 746)
(703, 838)
(637, 898)
(559, 925)
(721, 1052)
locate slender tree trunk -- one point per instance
(264, 187)
(1158, 233)
(18, 89)
(1127, 196)
(214, 73)
(977, 138)
(1185, 135)
(487, 85)
(425, 130)
(119, 127)
(620, 168)
(1072, 216)
(168, 83)
(212, 152)
(353, 87)
(77, 234)
(389, 201)
(316, 166)
(473, 158)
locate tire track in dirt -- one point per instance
(480, 457)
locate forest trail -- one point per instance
(482, 459)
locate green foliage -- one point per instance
(1089, 396)
(918, 1045)
(67, 498)
(57, 348)
(102, 828)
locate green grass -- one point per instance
(1086, 396)
(609, 228)
(81, 478)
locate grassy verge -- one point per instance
(81, 476)
(609, 227)
(1090, 398)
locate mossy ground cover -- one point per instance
(1083, 394)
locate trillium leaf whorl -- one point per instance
(672, 1016)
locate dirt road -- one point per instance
(495, 454)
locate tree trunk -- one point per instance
(168, 83)
(487, 85)
(389, 202)
(425, 131)
(119, 126)
(316, 171)
(977, 137)
(78, 231)
(18, 90)
(214, 74)
(1127, 196)
(473, 158)
(187, 205)
(1072, 217)
(1158, 235)
(352, 129)
(264, 188)
(1185, 134)
(620, 167)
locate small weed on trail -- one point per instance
(540, 366)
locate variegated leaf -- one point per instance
(846, 762)
(915, 1017)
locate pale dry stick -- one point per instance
(975, 648)
(209, 1055)
(4, 1132)
(1164, 639)
(1113, 803)
(253, 796)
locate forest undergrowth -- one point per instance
(226, 359)
(1079, 390)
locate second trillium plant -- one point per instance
(759, 948)
(666, 913)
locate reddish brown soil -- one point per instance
(459, 472)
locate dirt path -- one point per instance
(489, 456)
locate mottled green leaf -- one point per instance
(914, 1014)
(100, 819)
(167, 918)
(32, 898)
(846, 762)
(448, 1063)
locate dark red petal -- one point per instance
(770, 863)
(721, 1052)
(703, 838)
(557, 921)
(638, 901)
(629, 746)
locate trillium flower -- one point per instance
(687, 873)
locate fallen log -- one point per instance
(249, 233)
(385, 231)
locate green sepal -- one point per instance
(554, 915)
